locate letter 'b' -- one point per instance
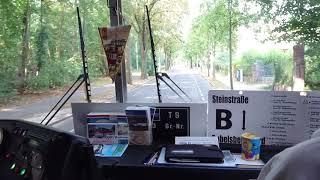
(226, 119)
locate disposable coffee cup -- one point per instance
(250, 146)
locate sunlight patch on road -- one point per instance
(108, 85)
(148, 84)
(8, 109)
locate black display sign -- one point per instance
(169, 122)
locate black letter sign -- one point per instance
(219, 119)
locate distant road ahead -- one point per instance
(195, 86)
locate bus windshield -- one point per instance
(175, 53)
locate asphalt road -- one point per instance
(193, 84)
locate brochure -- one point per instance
(102, 133)
(107, 128)
(112, 150)
(140, 125)
(108, 132)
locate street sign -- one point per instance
(279, 117)
(169, 122)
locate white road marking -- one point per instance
(196, 82)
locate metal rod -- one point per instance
(84, 61)
(64, 102)
(79, 77)
(154, 57)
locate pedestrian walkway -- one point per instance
(222, 82)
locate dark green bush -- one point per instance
(96, 68)
(53, 74)
(312, 60)
(7, 83)
(7, 89)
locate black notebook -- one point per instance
(193, 153)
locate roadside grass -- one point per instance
(217, 85)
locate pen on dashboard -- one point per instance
(153, 159)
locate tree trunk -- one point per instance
(213, 70)
(128, 63)
(167, 62)
(75, 36)
(60, 36)
(208, 64)
(24, 49)
(137, 55)
(299, 67)
(167, 67)
(201, 65)
(43, 51)
(143, 55)
(213, 63)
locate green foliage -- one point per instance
(54, 74)
(312, 66)
(7, 87)
(150, 67)
(53, 39)
(281, 63)
(247, 61)
(41, 52)
(53, 42)
(96, 67)
(166, 17)
(210, 30)
(294, 20)
(222, 62)
(10, 31)
(282, 66)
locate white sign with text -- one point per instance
(279, 117)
